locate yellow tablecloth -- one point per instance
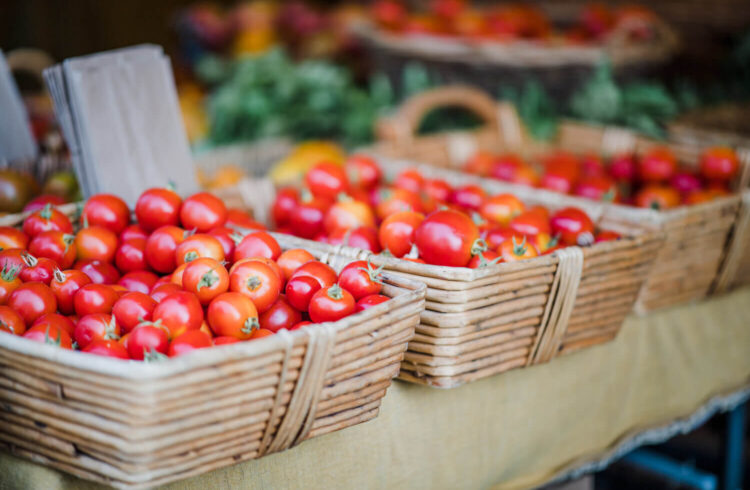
(515, 430)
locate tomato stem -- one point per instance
(46, 211)
(59, 275)
(208, 279)
(190, 256)
(335, 292)
(250, 325)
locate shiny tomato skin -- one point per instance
(573, 226)
(54, 245)
(99, 272)
(306, 220)
(437, 189)
(32, 300)
(363, 238)
(147, 339)
(11, 321)
(369, 302)
(270, 263)
(361, 279)
(224, 340)
(326, 180)
(257, 244)
(141, 281)
(657, 165)
(11, 237)
(719, 163)
(301, 324)
(290, 260)
(446, 238)
(65, 285)
(362, 171)
(94, 298)
(133, 232)
(409, 179)
(347, 214)
(606, 236)
(283, 206)
(233, 315)
(12, 259)
(480, 163)
(530, 223)
(397, 231)
(188, 342)
(199, 245)
(513, 250)
(323, 273)
(280, 315)
(49, 334)
(556, 182)
(396, 199)
(494, 237)
(224, 236)
(131, 255)
(657, 197)
(260, 333)
(501, 208)
(685, 183)
(331, 304)
(62, 322)
(42, 200)
(206, 278)
(300, 290)
(256, 280)
(161, 246)
(107, 348)
(483, 259)
(133, 308)
(96, 326)
(107, 211)
(468, 197)
(623, 168)
(506, 166)
(161, 291)
(202, 211)
(179, 312)
(240, 219)
(46, 219)
(158, 207)
(38, 270)
(96, 243)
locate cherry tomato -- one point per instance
(96, 326)
(530, 223)
(46, 219)
(179, 312)
(283, 206)
(107, 211)
(363, 238)
(300, 290)
(94, 298)
(326, 180)
(141, 281)
(592, 165)
(501, 208)
(133, 232)
(606, 236)
(37, 270)
(270, 263)
(161, 247)
(512, 251)
(369, 302)
(39, 202)
(206, 278)
(163, 290)
(96, 243)
(203, 211)
(10, 321)
(657, 165)
(397, 231)
(319, 271)
(224, 340)
(409, 179)
(224, 236)
(188, 342)
(494, 237)
(32, 300)
(685, 183)
(239, 219)
(561, 171)
(199, 245)
(719, 163)
(301, 324)
(133, 308)
(54, 245)
(573, 226)
(99, 272)
(256, 280)
(505, 167)
(437, 189)
(543, 241)
(233, 315)
(306, 219)
(13, 259)
(393, 200)
(148, 342)
(598, 188)
(347, 214)
(158, 207)
(178, 273)
(260, 333)
(468, 197)
(257, 244)
(695, 197)
(65, 284)
(480, 163)
(446, 238)
(11, 237)
(331, 304)
(623, 168)
(362, 171)
(657, 197)
(361, 279)
(290, 260)
(131, 255)
(66, 323)
(280, 315)
(107, 348)
(484, 258)
(49, 334)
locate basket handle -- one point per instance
(498, 116)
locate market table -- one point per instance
(515, 430)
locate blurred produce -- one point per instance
(303, 157)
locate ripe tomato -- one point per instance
(132, 232)
(280, 315)
(46, 219)
(369, 302)
(199, 245)
(530, 222)
(306, 219)
(657, 165)
(319, 271)
(394, 200)
(657, 197)
(260, 333)
(233, 315)
(49, 334)
(107, 211)
(364, 238)
(573, 226)
(526, 175)
(96, 243)
(147, 341)
(10, 321)
(11, 237)
(179, 312)
(177, 274)
(331, 304)
(206, 278)
(131, 255)
(290, 260)
(361, 279)
(158, 207)
(37, 270)
(65, 285)
(66, 323)
(437, 189)
(483, 258)
(161, 247)
(623, 168)
(94, 298)
(224, 236)
(326, 180)
(300, 290)
(257, 244)
(270, 263)
(96, 326)
(685, 183)
(480, 163)
(42, 200)
(598, 188)
(224, 340)
(446, 238)
(502, 208)
(494, 237)
(512, 251)
(107, 348)
(347, 214)
(202, 211)
(409, 179)
(163, 290)
(188, 342)
(468, 197)
(141, 281)
(397, 231)
(719, 163)
(696, 197)
(362, 171)
(98, 272)
(505, 167)
(54, 245)
(13, 259)
(543, 242)
(283, 206)
(32, 300)
(239, 219)
(256, 280)
(592, 165)
(606, 236)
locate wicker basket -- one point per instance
(133, 424)
(705, 244)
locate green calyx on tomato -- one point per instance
(253, 283)
(190, 256)
(9, 274)
(46, 211)
(344, 197)
(110, 330)
(477, 219)
(68, 241)
(29, 259)
(610, 195)
(518, 248)
(483, 262)
(48, 339)
(153, 355)
(208, 279)
(157, 324)
(478, 246)
(251, 325)
(335, 292)
(373, 273)
(188, 233)
(386, 253)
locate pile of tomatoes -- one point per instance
(424, 220)
(653, 180)
(187, 275)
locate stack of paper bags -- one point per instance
(120, 116)
(16, 140)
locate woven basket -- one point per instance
(134, 424)
(705, 244)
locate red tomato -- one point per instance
(133, 308)
(239, 219)
(94, 298)
(163, 290)
(409, 179)
(506, 166)
(131, 255)
(132, 232)
(224, 236)
(11, 237)
(362, 171)
(557, 182)
(512, 251)
(260, 333)
(256, 280)
(38, 270)
(49, 334)
(397, 231)
(494, 237)
(65, 285)
(530, 223)
(437, 189)
(290, 260)
(657, 197)
(446, 238)
(179, 312)
(206, 278)
(319, 271)
(361, 279)
(188, 342)
(107, 211)
(719, 163)
(258, 244)
(526, 175)
(39, 202)
(347, 214)
(331, 304)
(573, 226)
(606, 236)
(46, 219)
(12, 259)
(280, 315)
(300, 290)
(66, 323)
(283, 206)
(369, 302)
(96, 326)
(306, 219)
(98, 272)
(11, 321)
(598, 188)
(394, 200)
(148, 342)
(202, 211)
(592, 165)
(161, 247)
(158, 207)
(54, 245)
(685, 183)
(301, 324)
(141, 281)
(326, 180)
(561, 172)
(32, 300)
(363, 238)
(199, 245)
(468, 197)
(107, 348)
(484, 258)
(233, 315)
(178, 273)
(481, 163)
(224, 340)
(96, 243)
(657, 165)
(623, 168)
(502, 208)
